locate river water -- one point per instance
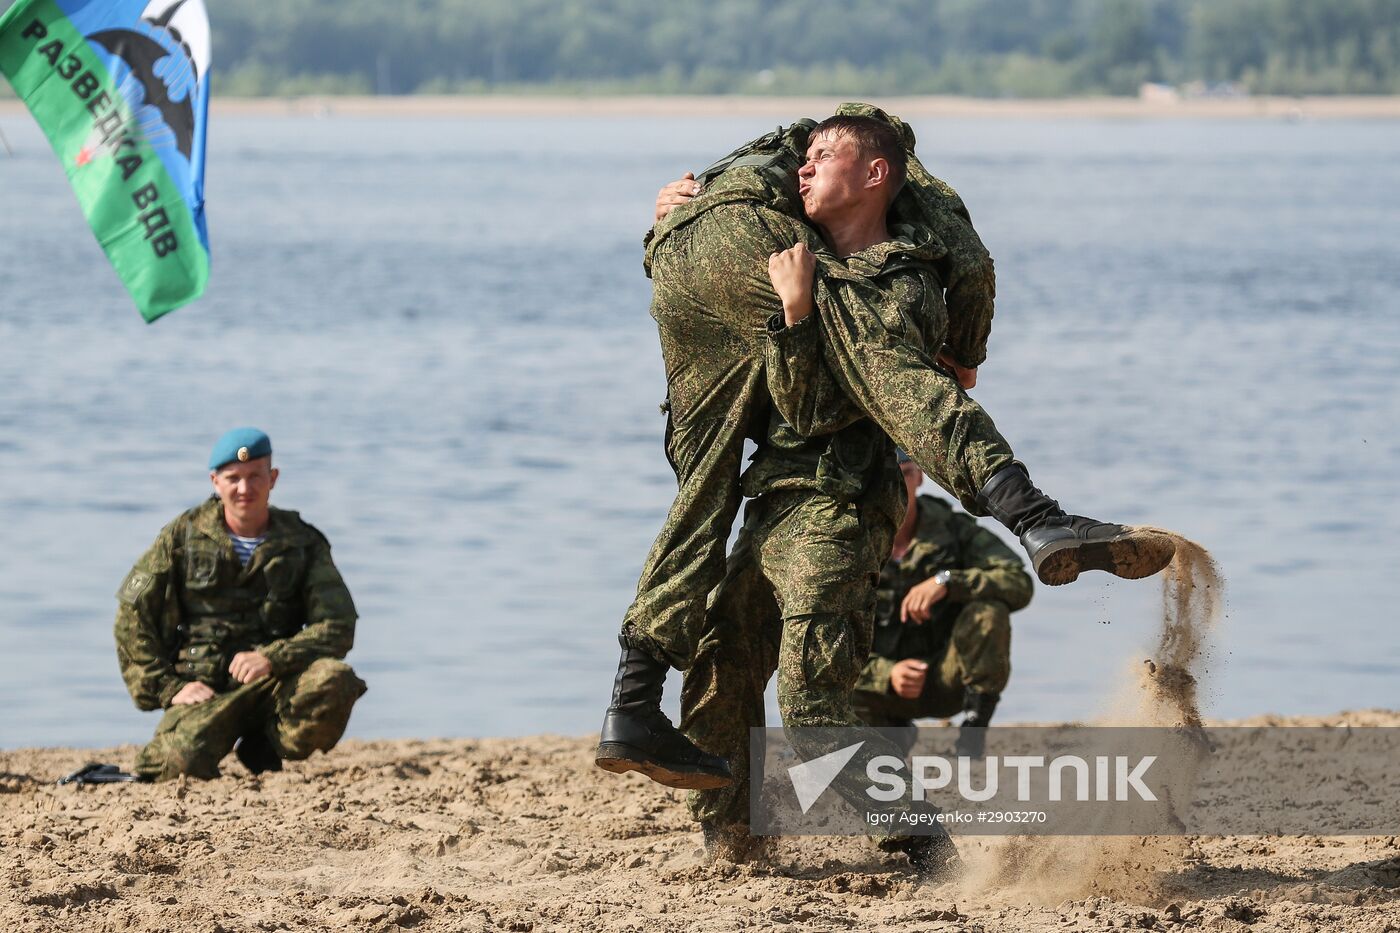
(443, 325)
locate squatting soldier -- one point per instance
(234, 622)
(942, 621)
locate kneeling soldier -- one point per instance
(943, 624)
(234, 622)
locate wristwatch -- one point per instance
(942, 577)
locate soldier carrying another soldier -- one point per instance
(823, 343)
(234, 622)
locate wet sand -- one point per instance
(526, 835)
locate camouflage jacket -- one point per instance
(816, 435)
(964, 268)
(869, 350)
(980, 567)
(189, 605)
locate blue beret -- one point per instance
(240, 444)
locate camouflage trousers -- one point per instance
(711, 301)
(797, 598)
(300, 714)
(977, 657)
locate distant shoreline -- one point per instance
(1084, 108)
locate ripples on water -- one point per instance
(442, 323)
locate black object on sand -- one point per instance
(95, 773)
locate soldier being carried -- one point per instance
(839, 328)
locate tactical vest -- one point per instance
(226, 608)
(777, 155)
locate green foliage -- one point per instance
(1023, 48)
(1298, 46)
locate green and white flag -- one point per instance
(121, 89)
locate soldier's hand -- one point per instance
(192, 693)
(248, 666)
(967, 378)
(675, 194)
(907, 678)
(919, 601)
(791, 271)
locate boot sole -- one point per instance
(1133, 556)
(935, 867)
(619, 759)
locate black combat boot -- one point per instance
(257, 753)
(933, 858)
(1062, 546)
(977, 715)
(637, 736)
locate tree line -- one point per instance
(1023, 48)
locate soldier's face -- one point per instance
(835, 177)
(244, 488)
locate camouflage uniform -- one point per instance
(967, 640)
(189, 605)
(868, 350)
(796, 600)
(798, 596)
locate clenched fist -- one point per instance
(791, 271)
(907, 678)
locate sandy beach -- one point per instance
(526, 835)
(1087, 108)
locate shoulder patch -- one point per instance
(136, 583)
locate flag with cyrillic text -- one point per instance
(121, 89)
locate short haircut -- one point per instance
(874, 139)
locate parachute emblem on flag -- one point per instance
(121, 89)
(163, 62)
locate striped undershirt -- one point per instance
(244, 547)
